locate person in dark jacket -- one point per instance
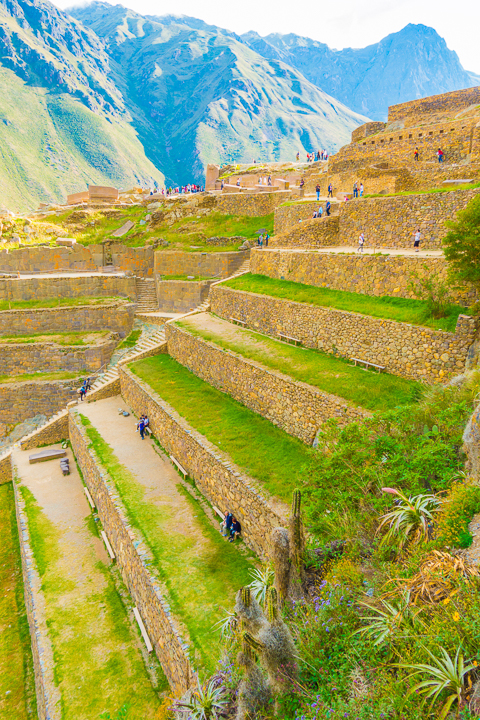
(235, 530)
(226, 523)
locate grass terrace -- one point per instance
(28, 377)
(17, 685)
(64, 338)
(369, 389)
(56, 302)
(390, 308)
(199, 569)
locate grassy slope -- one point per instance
(391, 308)
(54, 145)
(263, 450)
(60, 375)
(97, 665)
(198, 583)
(368, 389)
(54, 302)
(17, 689)
(63, 338)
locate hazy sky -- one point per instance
(345, 23)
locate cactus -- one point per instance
(280, 555)
(296, 502)
(249, 611)
(297, 547)
(272, 605)
(249, 641)
(253, 691)
(246, 596)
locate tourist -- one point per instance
(361, 189)
(416, 241)
(440, 155)
(317, 190)
(260, 240)
(226, 523)
(235, 530)
(269, 181)
(82, 392)
(298, 156)
(141, 427)
(327, 207)
(302, 182)
(330, 190)
(355, 189)
(320, 211)
(361, 242)
(314, 214)
(238, 182)
(266, 239)
(222, 185)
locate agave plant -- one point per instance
(386, 621)
(206, 703)
(227, 625)
(262, 580)
(443, 674)
(409, 520)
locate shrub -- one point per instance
(462, 243)
(434, 292)
(459, 507)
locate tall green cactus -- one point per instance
(297, 538)
(272, 605)
(246, 596)
(249, 641)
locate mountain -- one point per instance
(198, 94)
(63, 121)
(406, 65)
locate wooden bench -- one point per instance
(45, 455)
(289, 339)
(368, 364)
(181, 469)
(219, 512)
(107, 545)
(236, 321)
(89, 498)
(143, 631)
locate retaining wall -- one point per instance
(315, 232)
(43, 288)
(366, 274)
(251, 205)
(19, 401)
(205, 265)
(116, 317)
(143, 586)
(177, 296)
(223, 483)
(288, 216)
(27, 358)
(6, 471)
(296, 407)
(411, 351)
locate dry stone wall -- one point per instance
(179, 296)
(411, 351)
(116, 317)
(6, 471)
(19, 289)
(317, 232)
(217, 477)
(446, 102)
(52, 432)
(26, 358)
(296, 407)
(218, 265)
(19, 401)
(366, 274)
(288, 216)
(251, 205)
(144, 588)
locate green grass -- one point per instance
(391, 308)
(190, 278)
(199, 582)
(98, 667)
(369, 389)
(16, 662)
(55, 302)
(131, 339)
(28, 377)
(62, 338)
(404, 193)
(264, 451)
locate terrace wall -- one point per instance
(206, 265)
(6, 470)
(116, 317)
(446, 102)
(366, 274)
(177, 296)
(298, 408)
(251, 205)
(19, 401)
(411, 351)
(142, 585)
(19, 289)
(223, 483)
(27, 358)
(315, 232)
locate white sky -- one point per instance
(344, 23)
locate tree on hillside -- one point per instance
(462, 243)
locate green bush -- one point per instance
(461, 504)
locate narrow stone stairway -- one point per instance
(146, 295)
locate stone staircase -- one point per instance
(146, 295)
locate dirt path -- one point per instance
(97, 658)
(342, 249)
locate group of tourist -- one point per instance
(182, 190)
(230, 527)
(142, 426)
(416, 240)
(262, 240)
(357, 189)
(265, 180)
(440, 155)
(86, 386)
(315, 156)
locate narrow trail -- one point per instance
(98, 665)
(199, 570)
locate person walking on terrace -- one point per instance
(415, 154)
(355, 189)
(298, 156)
(361, 189)
(267, 238)
(440, 155)
(317, 190)
(416, 241)
(330, 190)
(327, 208)
(361, 242)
